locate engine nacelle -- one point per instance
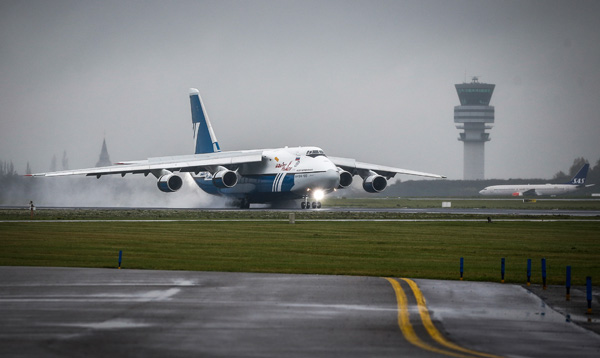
(374, 184)
(225, 179)
(169, 183)
(345, 179)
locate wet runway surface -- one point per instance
(478, 211)
(73, 312)
(456, 212)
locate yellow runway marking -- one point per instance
(409, 332)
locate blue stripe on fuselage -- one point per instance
(268, 183)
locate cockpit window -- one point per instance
(315, 153)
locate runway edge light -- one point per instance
(544, 274)
(568, 283)
(588, 285)
(528, 272)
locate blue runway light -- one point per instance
(568, 283)
(588, 285)
(528, 272)
(544, 273)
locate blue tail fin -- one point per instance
(579, 178)
(206, 141)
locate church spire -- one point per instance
(104, 158)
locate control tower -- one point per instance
(474, 116)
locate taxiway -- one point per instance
(63, 312)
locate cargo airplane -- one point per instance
(576, 183)
(252, 176)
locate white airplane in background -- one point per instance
(577, 182)
(252, 176)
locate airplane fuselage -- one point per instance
(577, 182)
(283, 174)
(529, 189)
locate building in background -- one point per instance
(104, 160)
(474, 116)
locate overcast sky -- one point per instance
(372, 80)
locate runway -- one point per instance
(474, 211)
(439, 214)
(64, 312)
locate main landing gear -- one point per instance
(244, 204)
(307, 204)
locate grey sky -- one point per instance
(373, 80)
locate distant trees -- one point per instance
(53, 164)
(7, 169)
(15, 189)
(65, 161)
(593, 174)
(10, 181)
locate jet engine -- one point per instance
(225, 179)
(374, 184)
(169, 183)
(345, 179)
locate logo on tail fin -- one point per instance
(579, 178)
(206, 141)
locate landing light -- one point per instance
(318, 194)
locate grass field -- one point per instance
(408, 249)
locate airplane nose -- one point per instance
(332, 178)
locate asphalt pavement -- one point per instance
(74, 312)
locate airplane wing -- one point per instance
(354, 167)
(185, 163)
(530, 192)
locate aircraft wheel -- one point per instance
(318, 205)
(303, 205)
(314, 205)
(245, 204)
